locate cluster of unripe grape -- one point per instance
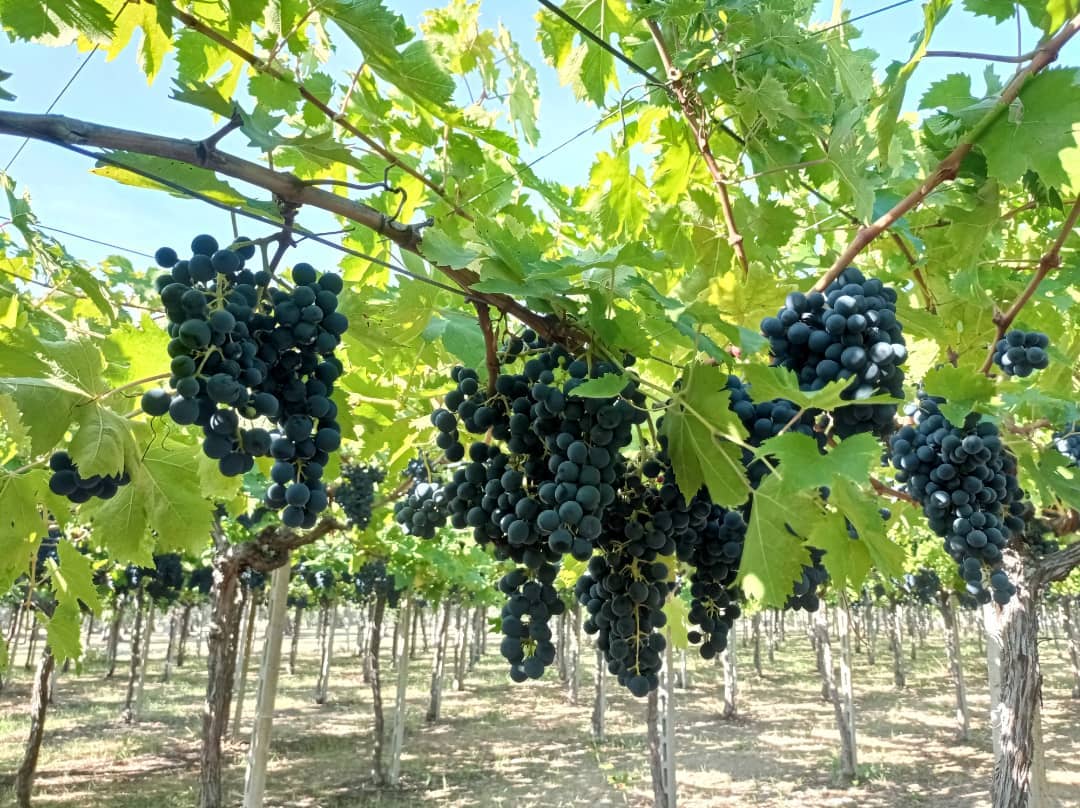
(1021, 353)
(67, 482)
(243, 349)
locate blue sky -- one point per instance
(65, 195)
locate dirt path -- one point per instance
(522, 745)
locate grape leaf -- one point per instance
(447, 249)
(73, 579)
(700, 430)
(678, 623)
(608, 385)
(48, 18)
(120, 525)
(775, 382)
(773, 557)
(135, 351)
(861, 509)
(846, 559)
(802, 465)
(176, 508)
(101, 442)
(62, 630)
(963, 388)
(1034, 135)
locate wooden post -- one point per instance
(39, 701)
(259, 749)
(397, 741)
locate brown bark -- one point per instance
(896, 643)
(378, 773)
(828, 677)
(128, 713)
(1019, 769)
(220, 662)
(956, 667)
(1072, 639)
(114, 637)
(656, 760)
(438, 664)
(39, 700)
(185, 630)
(294, 642)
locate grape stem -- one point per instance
(137, 383)
(41, 461)
(483, 317)
(696, 117)
(948, 168)
(1050, 261)
(881, 488)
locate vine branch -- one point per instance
(267, 67)
(491, 356)
(695, 119)
(986, 57)
(72, 132)
(948, 168)
(1050, 261)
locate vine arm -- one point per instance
(948, 168)
(691, 112)
(1050, 261)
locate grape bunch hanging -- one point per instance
(244, 349)
(849, 333)
(356, 492)
(1021, 353)
(965, 480)
(66, 481)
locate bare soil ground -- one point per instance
(500, 744)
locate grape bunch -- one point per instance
(356, 492)
(1021, 353)
(924, 584)
(67, 482)
(200, 580)
(713, 606)
(166, 582)
(624, 593)
(764, 420)
(47, 550)
(423, 510)
(419, 468)
(849, 333)
(242, 348)
(531, 603)
(965, 480)
(1067, 441)
(814, 576)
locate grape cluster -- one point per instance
(423, 510)
(531, 603)
(924, 584)
(1038, 535)
(67, 482)
(540, 489)
(814, 576)
(356, 492)
(1067, 441)
(419, 468)
(624, 594)
(966, 482)
(166, 582)
(47, 550)
(849, 332)
(713, 606)
(1021, 353)
(244, 349)
(201, 579)
(764, 420)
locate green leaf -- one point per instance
(176, 507)
(46, 406)
(463, 339)
(803, 467)
(964, 389)
(73, 580)
(62, 630)
(768, 383)
(119, 525)
(135, 351)
(678, 623)
(773, 557)
(933, 12)
(952, 92)
(1039, 127)
(703, 437)
(445, 249)
(608, 385)
(101, 442)
(861, 509)
(36, 19)
(846, 559)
